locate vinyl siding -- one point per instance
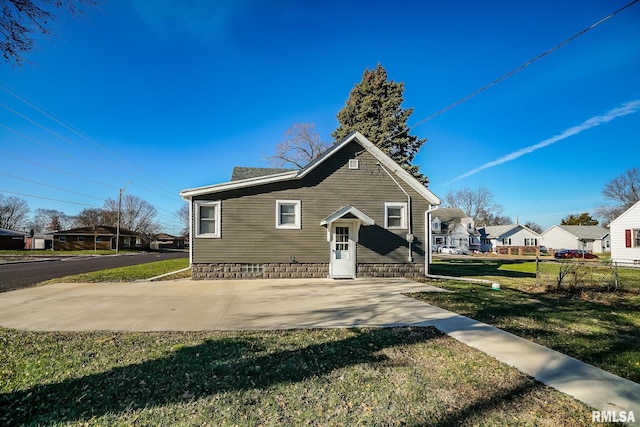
(629, 220)
(248, 228)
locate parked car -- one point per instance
(447, 249)
(544, 250)
(574, 253)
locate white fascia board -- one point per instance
(297, 174)
(349, 209)
(382, 158)
(232, 185)
(634, 206)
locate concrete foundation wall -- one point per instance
(298, 271)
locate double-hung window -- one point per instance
(395, 215)
(632, 238)
(288, 214)
(207, 219)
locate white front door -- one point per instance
(343, 251)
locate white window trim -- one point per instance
(297, 223)
(403, 220)
(216, 233)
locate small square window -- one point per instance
(207, 219)
(395, 215)
(288, 214)
(63, 238)
(80, 238)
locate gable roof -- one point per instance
(241, 172)
(348, 211)
(102, 230)
(449, 214)
(589, 232)
(291, 175)
(495, 231)
(625, 213)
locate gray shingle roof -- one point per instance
(449, 214)
(241, 172)
(5, 232)
(585, 231)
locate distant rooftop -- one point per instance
(240, 172)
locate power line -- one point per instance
(515, 70)
(87, 138)
(49, 185)
(65, 154)
(46, 198)
(56, 170)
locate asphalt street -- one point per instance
(24, 274)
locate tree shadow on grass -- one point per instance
(550, 320)
(478, 267)
(215, 366)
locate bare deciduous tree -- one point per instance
(13, 212)
(135, 214)
(477, 204)
(183, 216)
(22, 20)
(91, 217)
(301, 145)
(47, 220)
(533, 226)
(624, 191)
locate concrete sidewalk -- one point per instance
(299, 303)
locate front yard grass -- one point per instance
(130, 273)
(363, 376)
(600, 328)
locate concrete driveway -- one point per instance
(185, 305)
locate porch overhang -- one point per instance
(348, 212)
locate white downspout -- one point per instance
(191, 232)
(409, 235)
(427, 221)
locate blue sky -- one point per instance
(170, 96)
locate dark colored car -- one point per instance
(574, 253)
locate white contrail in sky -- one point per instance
(627, 108)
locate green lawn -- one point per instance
(131, 273)
(338, 377)
(600, 328)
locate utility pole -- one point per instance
(118, 225)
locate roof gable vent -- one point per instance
(353, 164)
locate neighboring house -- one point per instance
(11, 240)
(625, 236)
(39, 241)
(167, 241)
(591, 238)
(98, 237)
(493, 237)
(450, 226)
(351, 212)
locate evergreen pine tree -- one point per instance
(373, 109)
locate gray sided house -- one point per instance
(352, 212)
(450, 226)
